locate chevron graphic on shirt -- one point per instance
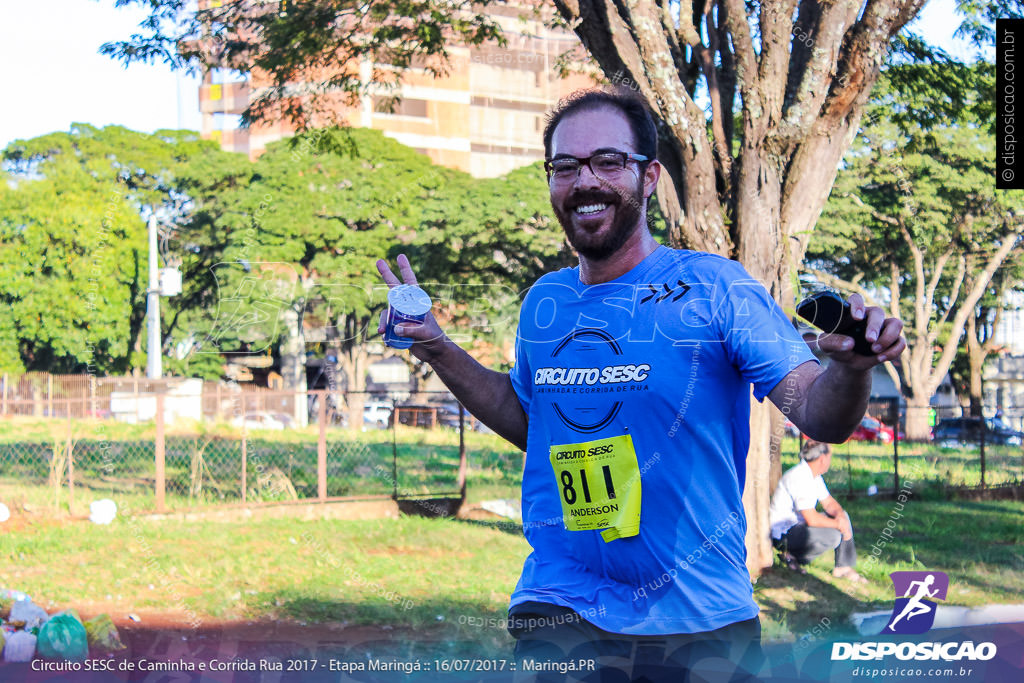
(666, 292)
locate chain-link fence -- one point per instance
(165, 449)
(173, 462)
(899, 447)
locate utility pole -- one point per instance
(154, 369)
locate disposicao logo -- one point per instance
(914, 611)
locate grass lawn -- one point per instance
(856, 465)
(980, 545)
(438, 578)
(432, 576)
(441, 578)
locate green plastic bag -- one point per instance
(63, 637)
(102, 634)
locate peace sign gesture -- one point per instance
(428, 339)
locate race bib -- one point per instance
(599, 486)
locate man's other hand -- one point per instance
(884, 334)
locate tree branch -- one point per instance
(980, 285)
(921, 308)
(877, 215)
(746, 59)
(894, 289)
(937, 269)
(723, 141)
(776, 32)
(961, 272)
(814, 64)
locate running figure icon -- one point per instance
(915, 607)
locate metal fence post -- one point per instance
(982, 451)
(245, 441)
(71, 466)
(463, 462)
(161, 483)
(321, 446)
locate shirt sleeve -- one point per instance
(821, 491)
(521, 376)
(759, 339)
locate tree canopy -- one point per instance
(73, 244)
(298, 230)
(915, 222)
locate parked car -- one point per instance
(377, 414)
(871, 429)
(952, 432)
(264, 421)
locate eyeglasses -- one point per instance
(605, 165)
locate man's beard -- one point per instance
(625, 222)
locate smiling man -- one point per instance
(630, 395)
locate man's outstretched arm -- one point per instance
(828, 404)
(487, 394)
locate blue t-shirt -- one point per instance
(665, 354)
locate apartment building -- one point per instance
(485, 117)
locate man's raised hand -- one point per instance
(428, 340)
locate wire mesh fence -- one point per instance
(897, 447)
(175, 462)
(252, 448)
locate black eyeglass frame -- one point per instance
(585, 161)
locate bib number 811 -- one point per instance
(569, 492)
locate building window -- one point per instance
(402, 107)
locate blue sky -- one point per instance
(53, 76)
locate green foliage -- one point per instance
(979, 18)
(325, 217)
(914, 216)
(73, 246)
(918, 180)
(299, 229)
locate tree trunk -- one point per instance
(354, 361)
(756, 491)
(778, 433)
(800, 109)
(976, 362)
(761, 253)
(917, 417)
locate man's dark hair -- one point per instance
(632, 107)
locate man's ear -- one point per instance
(651, 175)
